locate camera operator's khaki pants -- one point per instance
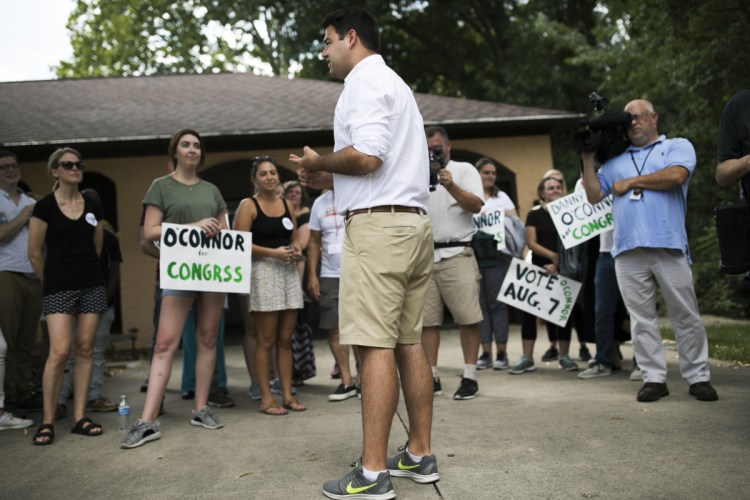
(639, 271)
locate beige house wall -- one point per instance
(527, 156)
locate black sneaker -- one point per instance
(652, 391)
(584, 354)
(343, 392)
(551, 354)
(355, 485)
(144, 386)
(437, 387)
(467, 390)
(188, 395)
(703, 391)
(218, 398)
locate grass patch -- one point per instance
(730, 342)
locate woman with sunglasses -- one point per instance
(182, 198)
(276, 293)
(68, 225)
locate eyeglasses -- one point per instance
(260, 159)
(640, 116)
(6, 166)
(68, 165)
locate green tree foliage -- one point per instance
(686, 56)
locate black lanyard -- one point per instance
(632, 157)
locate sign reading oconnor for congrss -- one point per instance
(529, 288)
(492, 222)
(577, 220)
(191, 261)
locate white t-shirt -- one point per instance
(14, 253)
(326, 220)
(449, 221)
(378, 116)
(500, 201)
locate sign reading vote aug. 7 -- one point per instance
(192, 261)
(577, 220)
(529, 288)
(492, 222)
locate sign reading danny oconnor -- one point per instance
(191, 261)
(529, 288)
(577, 220)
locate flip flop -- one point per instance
(87, 430)
(274, 410)
(46, 431)
(294, 405)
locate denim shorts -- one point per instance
(179, 293)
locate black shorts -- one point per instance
(86, 300)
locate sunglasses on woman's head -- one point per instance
(68, 165)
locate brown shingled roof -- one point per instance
(228, 107)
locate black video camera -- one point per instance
(437, 162)
(606, 135)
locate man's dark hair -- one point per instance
(357, 19)
(8, 154)
(436, 129)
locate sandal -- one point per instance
(294, 405)
(91, 429)
(46, 432)
(273, 409)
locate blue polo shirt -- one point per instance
(657, 220)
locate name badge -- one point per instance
(333, 249)
(636, 195)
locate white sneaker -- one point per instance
(595, 371)
(8, 422)
(636, 374)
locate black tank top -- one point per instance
(272, 232)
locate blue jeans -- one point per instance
(190, 350)
(607, 294)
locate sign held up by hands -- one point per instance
(529, 288)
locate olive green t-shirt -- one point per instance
(183, 204)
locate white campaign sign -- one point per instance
(529, 288)
(577, 220)
(191, 261)
(492, 222)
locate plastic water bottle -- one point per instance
(123, 414)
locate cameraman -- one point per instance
(456, 196)
(649, 182)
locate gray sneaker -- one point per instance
(567, 364)
(276, 387)
(636, 375)
(141, 433)
(402, 466)
(484, 361)
(355, 485)
(523, 364)
(595, 371)
(206, 418)
(254, 392)
(501, 363)
(8, 421)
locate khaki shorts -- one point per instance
(386, 263)
(454, 283)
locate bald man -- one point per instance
(649, 182)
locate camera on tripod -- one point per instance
(606, 135)
(437, 163)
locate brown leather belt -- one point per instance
(384, 208)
